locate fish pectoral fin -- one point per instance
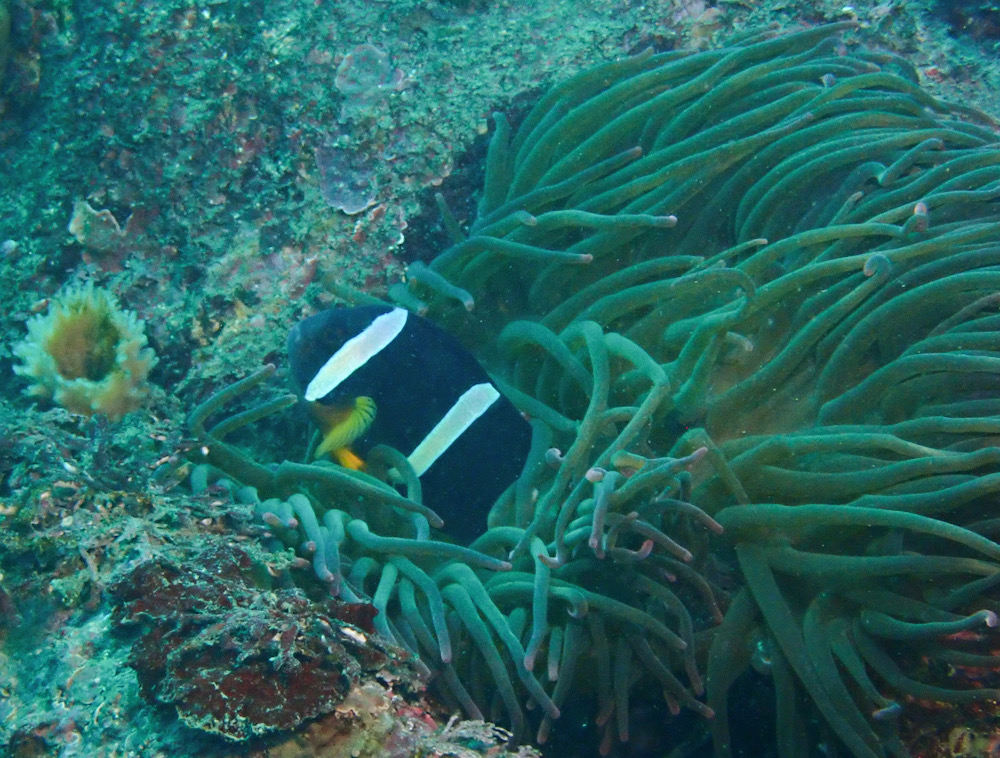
(341, 427)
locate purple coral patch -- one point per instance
(346, 179)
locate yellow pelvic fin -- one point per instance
(340, 427)
(346, 458)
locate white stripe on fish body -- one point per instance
(473, 403)
(356, 352)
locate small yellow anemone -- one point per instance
(87, 354)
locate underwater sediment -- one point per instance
(747, 298)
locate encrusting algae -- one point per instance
(87, 354)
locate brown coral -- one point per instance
(87, 354)
(239, 661)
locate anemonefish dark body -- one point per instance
(380, 375)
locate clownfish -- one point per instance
(374, 375)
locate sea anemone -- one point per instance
(87, 354)
(749, 291)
